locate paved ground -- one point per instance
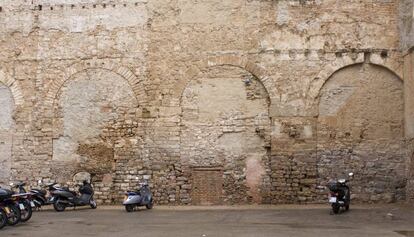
(221, 222)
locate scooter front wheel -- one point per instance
(27, 211)
(13, 217)
(93, 204)
(150, 205)
(3, 218)
(59, 206)
(129, 207)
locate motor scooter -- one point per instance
(7, 204)
(63, 197)
(340, 194)
(139, 198)
(39, 195)
(24, 200)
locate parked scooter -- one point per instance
(23, 201)
(39, 196)
(139, 198)
(9, 206)
(340, 194)
(63, 197)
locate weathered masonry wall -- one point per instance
(264, 100)
(407, 44)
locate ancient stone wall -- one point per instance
(407, 43)
(162, 90)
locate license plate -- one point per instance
(332, 199)
(32, 204)
(21, 206)
(7, 210)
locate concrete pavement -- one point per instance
(238, 221)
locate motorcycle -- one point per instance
(24, 200)
(39, 195)
(63, 197)
(340, 194)
(7, 204)
(139, 198)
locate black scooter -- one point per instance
(63, 197)
(9, 206)
(39, 195)
(23, 201)
(340, 194)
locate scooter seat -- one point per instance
(42, 192)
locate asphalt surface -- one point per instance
(390, 220)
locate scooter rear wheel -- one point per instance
(335, 208)
(3, 218)
(59, 206)
(129, 208)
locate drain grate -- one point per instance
(408, 233)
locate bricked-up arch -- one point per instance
(228, 60)
(348, 60)
(134, 81)
(13, 86)
(360, 129)
(6, 133)
(225, 123)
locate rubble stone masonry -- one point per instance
(213, 101)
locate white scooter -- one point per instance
(139, 198)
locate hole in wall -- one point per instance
(40, 7)
(384, 54)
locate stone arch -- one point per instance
(134, 82)
(345, 61)
(360, 129)
(6, 132)
(225, 123)
(94, 110)
(14, 87)
(228, 60)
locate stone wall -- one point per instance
(407, 43)
(406, 24)
(162, 90)
(409, 120)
